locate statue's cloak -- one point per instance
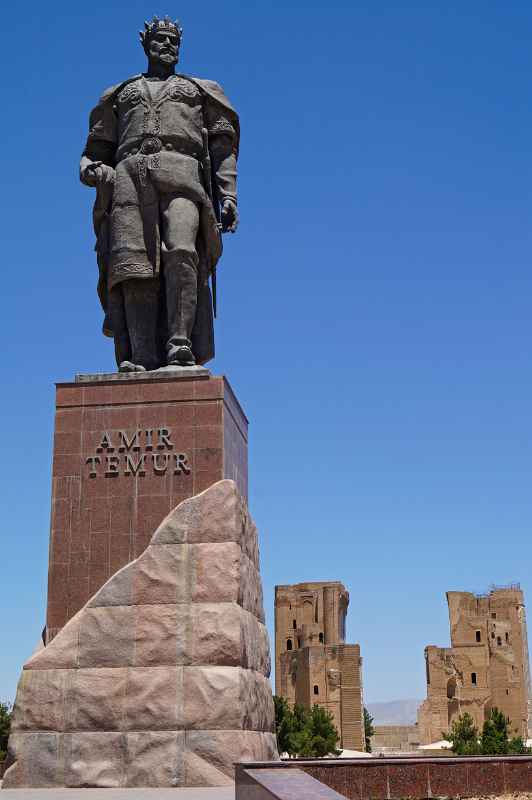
(209, 242)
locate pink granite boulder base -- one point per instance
(162, 678)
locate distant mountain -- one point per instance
(395, 712)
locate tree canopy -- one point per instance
(5, 725)
(369, 730)
(493, 741)
(304, 732)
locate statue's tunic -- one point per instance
(154, 134)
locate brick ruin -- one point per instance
(486, 666)
(313, 664)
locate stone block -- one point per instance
(222, 749)
(486, 777)
(250, 588)
(160, 575)
(160, 679)
(36, 761)
(216, 572)
(95, 699)
(106, 637)
(256, 702)
(212, 698)
(214, 515)
(154, 699)
(201, 772)
(217, 634)
(408, 780)
(160, 635)
(60, 653)
(374, 784)
(42, 700)
(156, 758)
(96, 760)
(448, 779)
(250, 541)
(254, 644)
(117, 591)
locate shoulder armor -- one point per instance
(110, 93)
(214, 86)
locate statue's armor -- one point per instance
(173, 138)
(171, 110)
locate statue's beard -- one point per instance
(166, 58)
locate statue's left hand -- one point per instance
(229, 216)
(96, 173)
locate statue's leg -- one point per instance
(117, 316)
(180, 223)
(141, 301)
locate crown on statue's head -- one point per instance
(157, 25)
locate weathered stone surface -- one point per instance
(160, 635)
(154, 699)
(161, 679)
(118, 591)
(105, 638)
(95, 759)
(222, 749)
(217, 572)
(254, 645)
(36, 761)
(42, 705)
(156, 759)
(161, 575)
(250, 595)
(216, 515)
(64, 656)
(95, 699)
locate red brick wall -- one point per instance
(396, 778)
(100, 522)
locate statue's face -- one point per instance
(164, 47)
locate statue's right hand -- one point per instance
(97, 173)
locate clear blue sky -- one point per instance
(375, 306)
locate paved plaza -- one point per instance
(208, 793)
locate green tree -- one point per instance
(324, 733)
(284, 724)
(463, 736)
(309, 733)
(300, 740)
(494, 740)
(369, 730)
(5, 725)
(517, 746)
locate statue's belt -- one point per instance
(152, 145)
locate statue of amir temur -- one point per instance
(161, 152)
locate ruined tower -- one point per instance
(485, 667)
(313, 664)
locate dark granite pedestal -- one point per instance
(127, 449)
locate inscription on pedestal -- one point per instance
(135, 452)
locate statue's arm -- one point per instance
(223, 148)
(98, 158)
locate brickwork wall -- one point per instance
(485, 667)
(398, 778)
(399, 738)
(313, 663)
(104, 513)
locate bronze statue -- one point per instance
(162, 152)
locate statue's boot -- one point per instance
(181, 283)
(141, 304)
